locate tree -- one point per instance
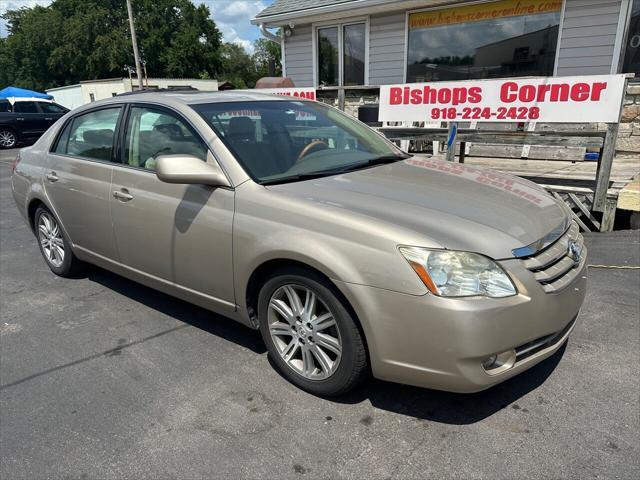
(267, 58)
(237, 67)
(73, 40)
(243, 70)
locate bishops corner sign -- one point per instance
(584, 99)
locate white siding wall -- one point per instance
(70, 97)
(299, 56)
(586, 44)
(588, 37)
(386, 48)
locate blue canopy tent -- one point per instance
(10, 92)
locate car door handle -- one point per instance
(123, 195)
(52, 177)
(48, 118)
(20, 119)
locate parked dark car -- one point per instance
(25, 120)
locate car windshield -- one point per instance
(284, 141)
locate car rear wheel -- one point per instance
(54, 246)
(311, 337)
(8, 138)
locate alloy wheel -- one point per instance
(304, 332)
(7, 139)
(50, 237)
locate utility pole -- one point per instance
(134, 42)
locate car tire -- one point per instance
(54, 245)
(8, 138)
(318, 345)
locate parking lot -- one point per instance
(101, 378)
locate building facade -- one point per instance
(73, 96)
(377, 42)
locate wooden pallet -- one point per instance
(580, 202)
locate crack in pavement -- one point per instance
(110, 352)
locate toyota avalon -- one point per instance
(350, 256)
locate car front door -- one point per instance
(78, 179)
(179, 235)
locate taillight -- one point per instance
(15, 162)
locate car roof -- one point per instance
(196, 97)
(184, 99)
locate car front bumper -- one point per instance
(441, 343)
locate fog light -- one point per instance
(489, 362)
(500, 362)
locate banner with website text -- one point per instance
(482, 11)
(584, 99)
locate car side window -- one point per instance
(52, 108)
(152, 132)
(90, 135)
(26, 107)
(5, 106)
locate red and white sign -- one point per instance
(307, 93)
(588, 98)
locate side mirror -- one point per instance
(189, 169)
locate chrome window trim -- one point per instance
(544, 242)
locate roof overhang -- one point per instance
(355, 8)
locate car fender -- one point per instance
(268, 227)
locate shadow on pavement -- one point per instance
(453, 408)
(210, 322)
(421, 403)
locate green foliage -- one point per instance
(73, 40)
(243, 70)
(267, 58)
(237, 66)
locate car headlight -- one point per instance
(458, 274)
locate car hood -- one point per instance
(450, 205)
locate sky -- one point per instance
(231, 16)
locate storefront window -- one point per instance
(340, 54)
(509, 38)
(631, 59)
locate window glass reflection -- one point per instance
(504, 47)
(353, 47)
(328, 56)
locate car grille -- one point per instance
(555, 267)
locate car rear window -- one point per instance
(90, 135)
(52, 108)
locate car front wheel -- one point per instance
(8, 138)
(311, 336)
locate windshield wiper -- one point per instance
(381, 160)
(299, 177)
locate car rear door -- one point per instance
(78, 179)
(30, 121)
(51, 113)
(178, 234)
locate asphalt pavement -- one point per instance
(103, 378)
